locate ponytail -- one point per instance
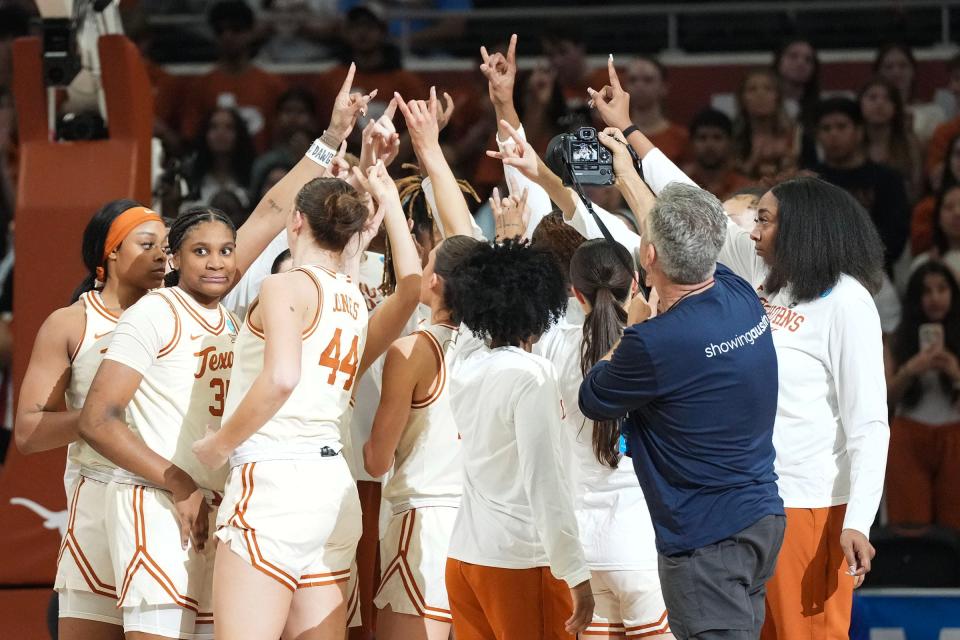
(599, 274)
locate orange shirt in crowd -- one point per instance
(253, 91)
(672, 141)
(410, 86)
(921, 226)
(723, 187)
(937, 147)
(166, 90)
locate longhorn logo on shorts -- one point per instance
(51, 519)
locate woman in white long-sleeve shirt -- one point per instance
(515, 560)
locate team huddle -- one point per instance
(222, 391)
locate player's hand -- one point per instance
(380, 140)
(210, 451)
(422, 122)
(191, 510)
(859, 554)
(445, 113)
(500, 72)
(583, 604)
(613, 139)
(510, 215)
(378, 183)
(347, 107)
(520, 155)
(612, 102)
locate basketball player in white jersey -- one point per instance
(414, 432)
(122, 252)
(290, 520)
(163, 380)
(612, 514)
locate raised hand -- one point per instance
(347, 107)
(520, 155)
(422, 122)
(444, 114)
(541, 83)
(612, 138)
(612, 102)
(380, 141)
(378, 183)
(510, 215)
(500, 72)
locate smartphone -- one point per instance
(931, 336)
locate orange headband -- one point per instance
(120, 227)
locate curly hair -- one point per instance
(506, 293)
(558, 239)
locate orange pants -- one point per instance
(923, 474)
(810, 595)
(489, 603)
(368, 559)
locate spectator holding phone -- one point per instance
(923, 387)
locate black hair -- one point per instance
(182, 226)
(905, 342)
(231, 14)
(94, 242)
(507, 293)
(710, 117)
(901, 151)
(275, 267)
(241, 160)
(949, 179)
(940, 240)
(558, 239)
(811, 90)
(298, 94)
(14, 22)
(600, 275)
(844, 106)
(822, 233)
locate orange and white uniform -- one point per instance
(85, 577)
(273, 514)
(612, 515)
(185, 354)
(424, 494)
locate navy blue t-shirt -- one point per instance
(699, 384)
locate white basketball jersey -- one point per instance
(427, 466)
(315, 414)
(99, 324)
(184, 390)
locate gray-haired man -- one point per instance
(699, 384)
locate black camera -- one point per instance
(582, 156)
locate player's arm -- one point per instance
(402, 368)
(42, 420)
(283, 315)
(271, 213)
(103, 425)
(393, 313)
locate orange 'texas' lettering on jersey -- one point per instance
(343, 304)
(213, 360)
(782, 317)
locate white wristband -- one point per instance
(321, 154)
